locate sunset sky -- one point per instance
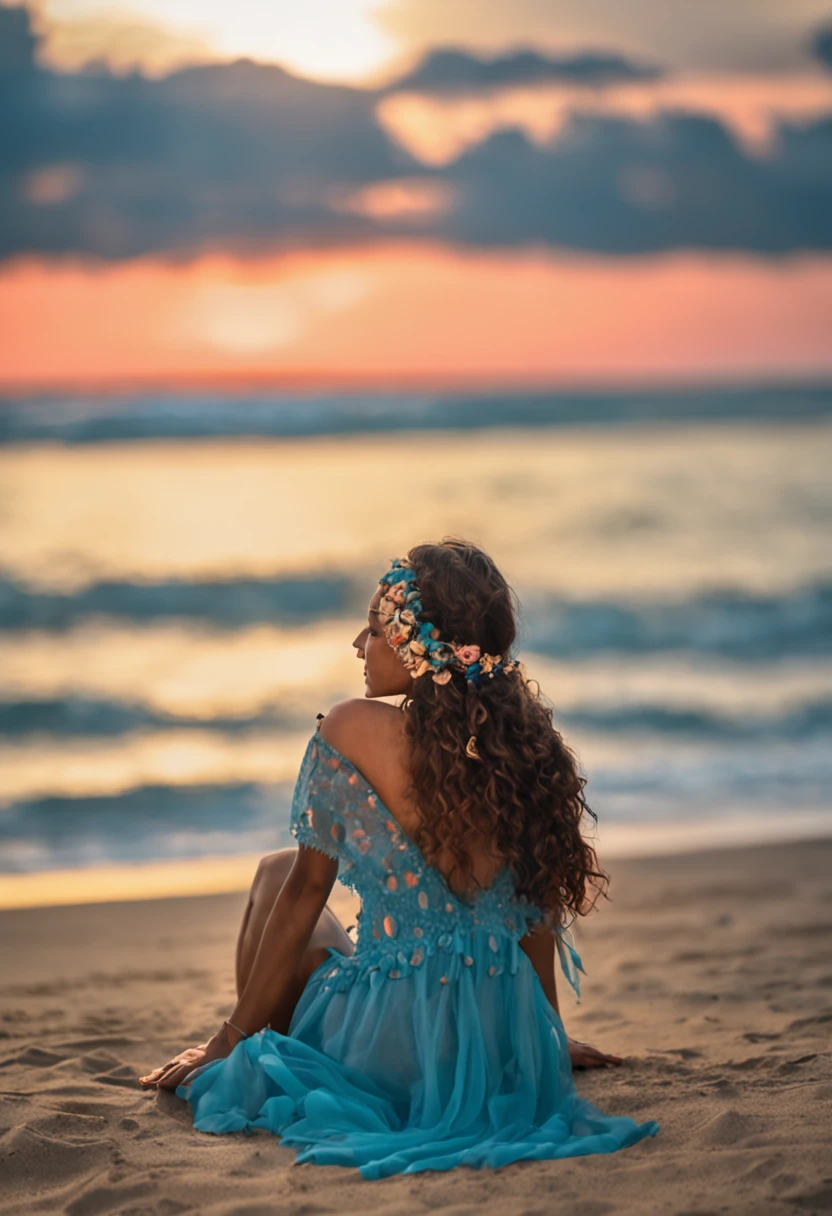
(414, 191)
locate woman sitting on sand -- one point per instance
(436, 1039)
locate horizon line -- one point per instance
(306, 380)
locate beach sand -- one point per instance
(710, 972)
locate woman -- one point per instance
(436, 1039)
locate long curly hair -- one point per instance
(523, 790)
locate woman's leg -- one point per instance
(270, 876)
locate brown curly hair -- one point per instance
(524, 794)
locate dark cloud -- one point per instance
(234, 155)
(821, 45)
(617, 186)
(450, 70)
(17, 41)
(247, 157)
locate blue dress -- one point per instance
(433, 1045)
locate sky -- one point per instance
(414, 191)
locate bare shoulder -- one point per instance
(357, 726)
(371, 734)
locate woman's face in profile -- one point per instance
(384, 673)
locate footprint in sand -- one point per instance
(27, 1153)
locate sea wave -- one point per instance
(148, 823)
(89, 717)
(743, 624)
(226, 604)
(177, 822)
(130, 416)
(730, 622)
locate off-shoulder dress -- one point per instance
(433, 1045)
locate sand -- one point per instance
(710, 972)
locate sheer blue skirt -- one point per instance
(395, 1076)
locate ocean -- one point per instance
(182, 575)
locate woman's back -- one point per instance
(371, 736)
(408, 910)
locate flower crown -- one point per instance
(418, 643)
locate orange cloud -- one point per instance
(438, 129)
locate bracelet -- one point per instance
(227, 1022)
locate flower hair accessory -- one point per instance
(418, 643)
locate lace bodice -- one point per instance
(407, 909)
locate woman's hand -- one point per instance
(174, 1072)
(584, 1056)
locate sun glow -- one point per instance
(255, 318)
(323, 39)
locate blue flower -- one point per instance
(472, 674)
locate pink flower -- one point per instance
(467, 654)
(398, 593)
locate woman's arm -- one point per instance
(286, 935)
(540, 947)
